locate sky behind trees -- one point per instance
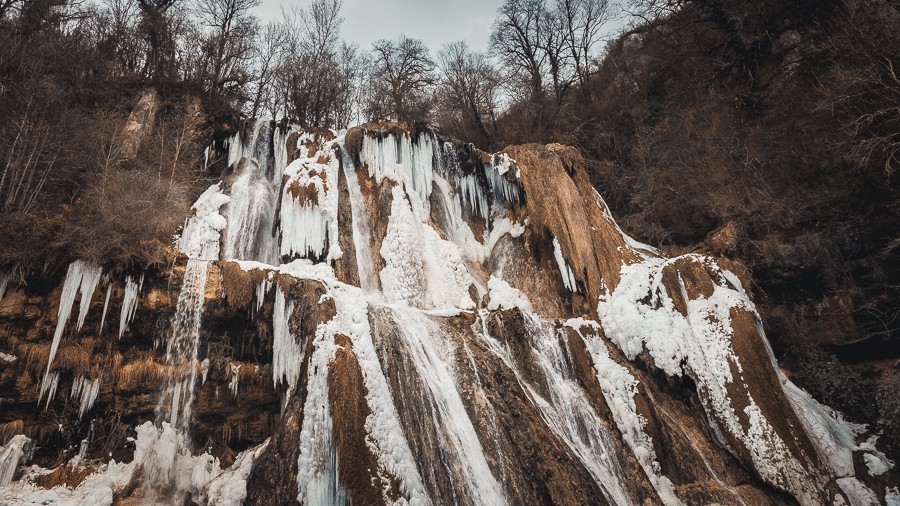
(435, 22)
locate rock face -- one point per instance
(396, 319)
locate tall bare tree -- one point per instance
(403, 71)
(155, 27)
(467, 93)
(516, 39)
(229, 45)
(582, 22)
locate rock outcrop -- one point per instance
(398, 319)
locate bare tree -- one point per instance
(230, 43)
(316, 76)
(581, 22)
(468, 93)
(267, 54)
(155, 26)
(516, 39)
(403, 71)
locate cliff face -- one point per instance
(384, 317)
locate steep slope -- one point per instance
(384, 317)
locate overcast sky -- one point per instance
(436, 22)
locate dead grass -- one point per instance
(249, 373)
(10, 429)
(67, 474)
(141, 374)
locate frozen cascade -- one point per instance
(250, 214)
(422, 308)
(403, 277)
(317, 469)
(427, 349)
(570, 415)
(251, 234)
(287, 353)
(362, 232)
(403, 159)
(10, 455)
(200, 242)
(181, 347)
(129, 302)
(81, 277)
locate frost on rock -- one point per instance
(129, 303)
(403, 277)
(503, 296)
(309, 205)
(640, 315)
(619, 389)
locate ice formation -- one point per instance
(81, 278)
(10, 455)
(85, 391)
(129, 303)
(568, 277)
(433, 286)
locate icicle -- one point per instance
(568, 277)
(403, 160)
(129, 303)
(287, 354)
(234, 377)
(82, 277)
(4, 282)
(86, 392)
(204, 370)
(48, 386)
(89, 281)
(500, 186)
(261, 290)
(10, 455)
(105, 307)
(309, 206)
